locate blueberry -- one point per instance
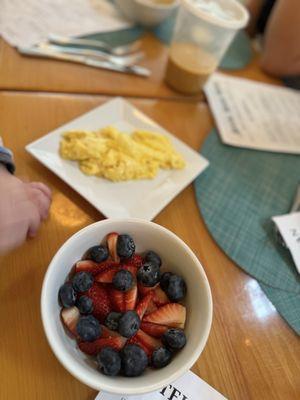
(97, 254)
(161, 357)
(164, 280)
(88, 328)
(175, 288)
(149, 274)
(85, 305)
(174, 339)
(112, 320)
(123, 280)
(125, 246)
(153, 258)
(109, 361)
(134, 360)
(129, 324)
(67, 295)
(82, 281)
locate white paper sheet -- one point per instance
(188, 387)
(289, 227)
(27, 22)
(255, 115)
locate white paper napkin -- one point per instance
(25, 23)
(188, 387)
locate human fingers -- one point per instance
(42, 187)
(34, 220)
(40, 200)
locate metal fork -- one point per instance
(128, 60)
(97, 44)
(132, 69)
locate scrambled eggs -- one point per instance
(118, 156)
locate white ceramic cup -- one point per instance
(146, 12)
(176, 256)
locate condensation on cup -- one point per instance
(203, 32)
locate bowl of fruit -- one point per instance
(126, 306)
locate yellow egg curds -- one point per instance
(118, 156)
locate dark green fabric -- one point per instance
(237, 195)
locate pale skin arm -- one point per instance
(23, 206)
(281, 51)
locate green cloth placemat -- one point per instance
(286, 303)
(237, 195)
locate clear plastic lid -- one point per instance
(224, 13)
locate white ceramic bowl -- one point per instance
(176, 257)
(146, 12)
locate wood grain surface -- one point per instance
(251, 352)
(33, 74)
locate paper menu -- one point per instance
(25, 23)
(289, 228)
(188, 387)
(255, 115)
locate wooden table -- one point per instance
(251, 352)
(33, 74)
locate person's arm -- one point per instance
(281, 54)
(23, 206)
(255, 7)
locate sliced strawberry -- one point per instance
(93, 348)
(101, 301)
(70, 317)
(107, 275)
(130, 298)
(92, 267)
(153, 329)
(111, 240)
(135, 340)
(144, 304)
(172, 315)
(107, 333)
(130, 268)
(87, 266)
(148, 341)
(136, 260)
(151, 307)
(143, 290)
(117, 299)
(160, 298)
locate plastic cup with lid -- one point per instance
(203, 32)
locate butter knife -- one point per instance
(131, 69)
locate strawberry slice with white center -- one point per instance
(107, 275)
(93, 348)
(107, 333)
(92, 267)
(117, 299)
(143, 290)
(144, 304)
(70, 317)
(172, 315)
(112, 239)
(153, 329)
(151, 307)
(159, 297)
(87, 266)
(147, 342)
(130, 298)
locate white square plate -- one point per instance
(140, 199)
